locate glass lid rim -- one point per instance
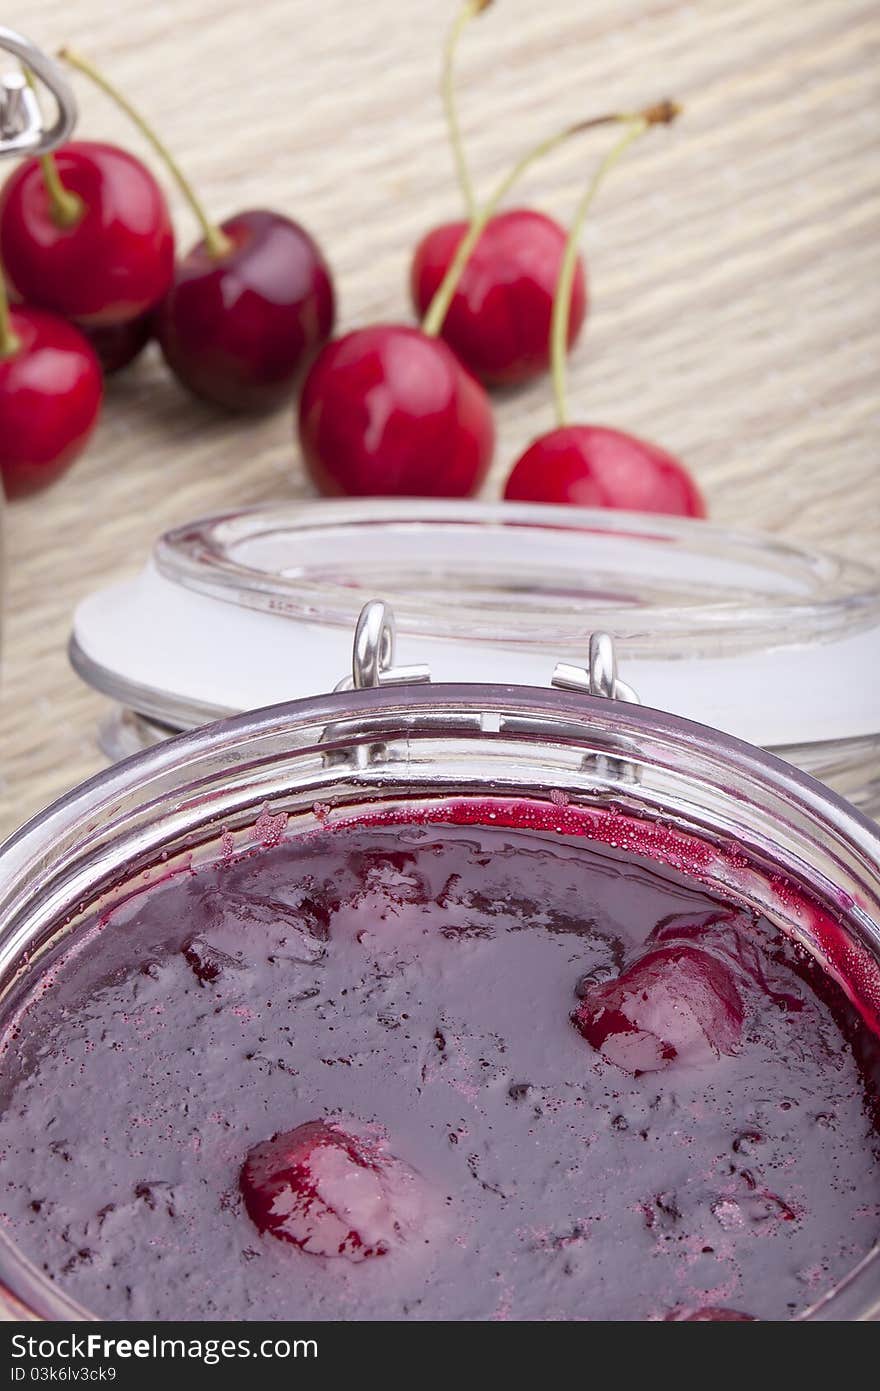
(193, 555)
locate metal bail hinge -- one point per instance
(23, 129)
(600, 677)
(372, 665)
(372, 657)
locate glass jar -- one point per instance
(356, 752)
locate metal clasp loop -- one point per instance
(372, 664)
(372, 657)
(23, 130)
(600, 677)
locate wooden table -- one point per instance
(733, 260)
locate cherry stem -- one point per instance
(636, 125)
(437, 310)
(9, 339)
(217, 242)
(469, 10)
(66, 208)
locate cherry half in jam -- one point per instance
(329, 1192)
(675, 1004)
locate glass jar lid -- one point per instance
(761, 638)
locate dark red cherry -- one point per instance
(238, 328)
(329, 1192)
(119, 344)
(390, 410)
(594, 466)
(248, 307)
(50, 398)
(675, 1004)
(108, 265)
(499, 319)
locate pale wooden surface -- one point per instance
(734, 262)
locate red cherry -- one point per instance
(239, 326)
(677, 1003)
(392, 410)
(119, 344)
(389, 410)
(329, 1192)
(594, 466)
(50, 397)
(499, 319)
(113, 262)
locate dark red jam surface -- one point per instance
(440, 1070)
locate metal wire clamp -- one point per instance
(23, 128)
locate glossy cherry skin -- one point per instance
(594, 466)
(112, 265)
(389, 411)
(50, 399)
(117, 345)
(499, 319)
(240, 329)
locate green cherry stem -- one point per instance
(216, 240)
(66, 208)
(636, 125)
(9, 339)
(437, 310)
(469, 10)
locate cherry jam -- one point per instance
(440, 1069)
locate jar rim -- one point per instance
(576, 709)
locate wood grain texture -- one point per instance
(734, 262)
